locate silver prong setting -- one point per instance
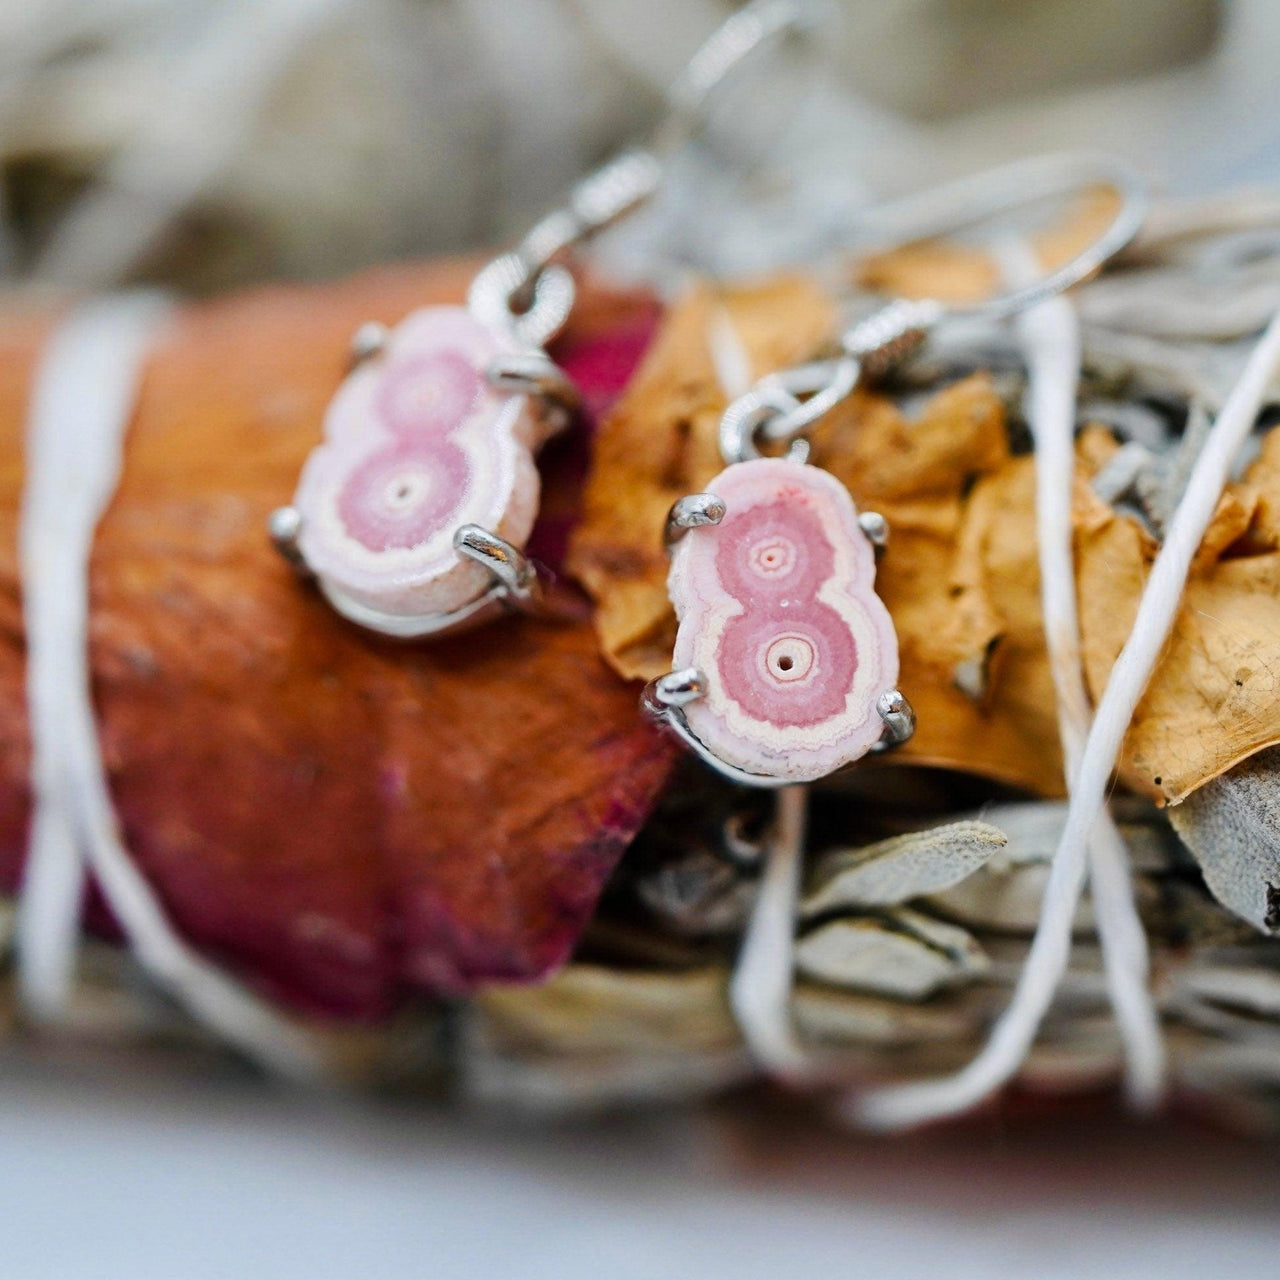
(368, 341)
(512, 571)
(533, 373)
(284, 527)
(664, 701)
(899, 719)
(693, 511)
(676, 689)
(875, 529)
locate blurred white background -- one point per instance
(156, 1175)
(216, 141)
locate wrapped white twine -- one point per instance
(83, 401)
(1050, 339)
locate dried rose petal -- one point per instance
(337, 817)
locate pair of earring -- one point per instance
(413, 513)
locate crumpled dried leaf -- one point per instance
(660, 443)
(960, 577)
(1214, 698)
(339, 817)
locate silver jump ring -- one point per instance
(495, 288)
(824, 383)
(744, 420)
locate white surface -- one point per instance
(188, 1180)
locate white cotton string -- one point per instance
(764, 972)
(1050, 338)
(915, 1104)
(88, 377)
(83, 400)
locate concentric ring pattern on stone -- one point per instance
(417, 443)
(777, 607)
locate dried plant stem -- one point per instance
(915, 1104)
(83, 402)
(760, 988)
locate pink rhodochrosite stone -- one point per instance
(417, 443)
(777, 607)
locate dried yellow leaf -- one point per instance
(960, 578)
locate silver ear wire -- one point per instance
(751, 28)
(529, 291)
(783, 406)
(984, 196)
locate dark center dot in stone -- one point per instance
(784, 663)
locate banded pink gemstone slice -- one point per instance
(416, 443)
(777, 607)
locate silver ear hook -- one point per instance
(529, 291)
(782, 408)
(722, 54)
(981, 197)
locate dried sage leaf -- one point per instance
(829, 1015)
(901, 868)
(898, 953)
(1251, 989)
(1232, 826)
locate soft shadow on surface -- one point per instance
(148, 1172)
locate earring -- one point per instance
(786, 659)
(413, 512)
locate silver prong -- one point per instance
(693, 511)
(899, 719)
(510, 567)
(284, 525)
(369, 340)
(664, 701)
(676, 689)
(876, 529)
(532, 373)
